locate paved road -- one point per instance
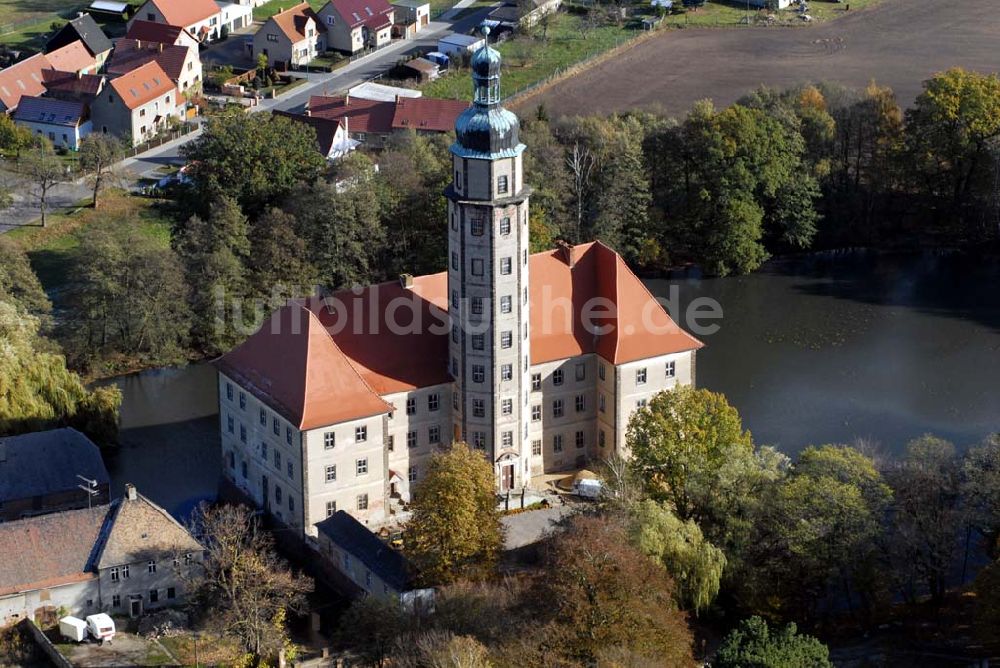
(897, 42)
(25, 209)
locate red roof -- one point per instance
(427, 113)
(186, 12)
(129, 54)
(74, 57)
(371, 13)
(69, 84)
(152, 31)
(326, 129)
(270, 361)
(143, 84)
(294, 20)
(23, 78)
(293, 364)
(361, 115)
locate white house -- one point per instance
(64, 123)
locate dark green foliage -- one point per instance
(754, 645)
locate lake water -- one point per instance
(836, 346)
(819, 349)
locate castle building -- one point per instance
(535, 360)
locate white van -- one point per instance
(101, 626)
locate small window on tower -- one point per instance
(505, 265)
(502, 185)
(505, 226)
(478, 226)
(477, 267)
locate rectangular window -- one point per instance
(671, 369)
(477, 305)
(557, 377)
(434, 434)
(505, 225)
(478, 226)
(291, 503)
(331, 473)
(477, 267)
(329, 440)
(391, 442)
(150, 566)
(230, 424)
(536, 413)
(154, 595)
(411, 439)
(479, 440)
(454, 260)
(362, 502)
(505, 304)
(602, 404)
(277, 459)
(506, 372)
(411, 406)
(125, 571)
(581, 372)
(411, 475)
(263, 417)
(243, 433)
(502, 185)
(600, 371)
(641, 403)
(288, 435)
(579, 439)
(581, 403)
(557, 408)
(115, 576)
(507, 438)
(505, 265)
(171, 593)
(243, 400)
(478, 341)
(116, 601)
(360, 434)
(263, 451)
(331, 508)
(478, 408)
(290, 470)
(536, 382)
(275, 426)
(454, 298)
(557, 443)
(478, 373)
(277, 494)
(361, 466)
(601, 438)
(506, 407)
(433, 401)
(640, 376)
(536, 448)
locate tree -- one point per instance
(99, 153)
(580, 162)
(927, 516)
(455, 528)
(441, 649)
(371, 626)
(44, 171)
(18, 283)
(214, 252)
(38, 392)
(622, 203)
(279, 268)
(695, 564)
(14, 137)
(256, 160)
(129, 297)
(606, 594)
(981, 491)
(754, 645)
(987, 590)
(680, 427)
(243, 588)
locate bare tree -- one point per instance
(44, 170)
(621, 486)
(99, 154)
(244, 589)
(581, 166)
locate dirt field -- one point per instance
(897, 42)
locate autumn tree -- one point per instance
(99, 153)
(279, 268)
(606, 594)
(754, 644)
(695, 564)
(371, 627)
(981, 491)
(455, 529)
(681, 429)
(18, 283)
(244, 590)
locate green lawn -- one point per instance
(28, 23)
(528, 61)
(269, 9)
(734, 12)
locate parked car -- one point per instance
(101, 627)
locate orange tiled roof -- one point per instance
(186, 12)
(74, 57)
(328, 373)
(293, 21)
(427, 113)
(143, 84)
(20, 79)
(358, 114)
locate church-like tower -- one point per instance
(488, 278)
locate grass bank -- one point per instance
(735, 13)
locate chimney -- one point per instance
(130, 492)
(566, 250)
(161, 47)
(406, 281)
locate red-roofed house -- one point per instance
(151, 31)
(331, 136)
(291, 37)
(374, 121)
(138, 105)
(21, 79)
(204, 19)
(537, 361)
(74, 57)
(72, 87)
(355, 25)
(427, 114)
(181, 63)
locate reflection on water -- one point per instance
(833, 347)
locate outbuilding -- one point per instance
(458, 43)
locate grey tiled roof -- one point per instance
(47, 461)
(93, 37)
(379, 558)
(139, 530)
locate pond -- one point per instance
(833, 347)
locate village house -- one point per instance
(74, 57)
(123, 558)
(136, 106)
(161, 33)
(64, 123)
(331, 135)
(181, 63)
(42, 472)
(83, 29)
(291, 38)
(537, 361)
(373, 122)
(356, 25)
(205, 19)
(22, 79)
(411, 16)
(72, 87)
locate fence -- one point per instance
(45, 644)
(160, 140)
